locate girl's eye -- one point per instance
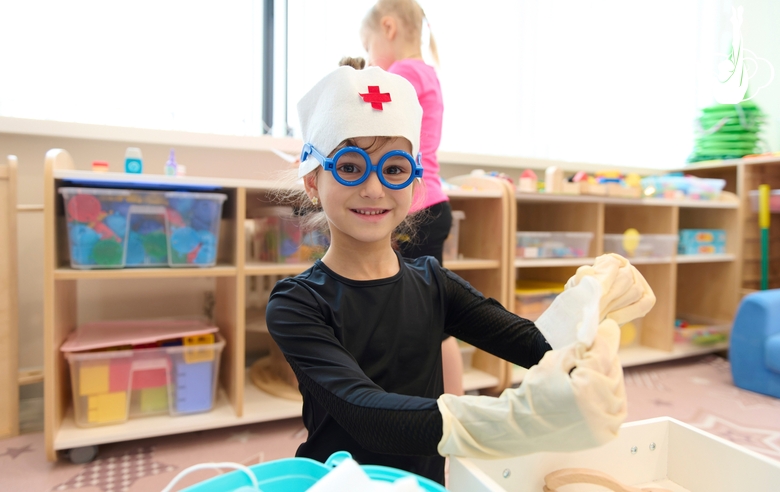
(347, 168)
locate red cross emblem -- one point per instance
(375, 97)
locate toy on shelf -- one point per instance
(702, 241)
(727, 131)
(553, 179)
(116, 228)
(276, 237)
(699, 333)
(124, 369)
(676, 186)
(100, 166)
(632, 244)
(533, 244)
(533, 297)
(528, 182)
(170, 164)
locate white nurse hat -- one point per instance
(349, 103)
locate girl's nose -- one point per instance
(372, 187)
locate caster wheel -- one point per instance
(83, 454)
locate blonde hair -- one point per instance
(411, 17)
(312, 217)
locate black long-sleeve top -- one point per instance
(367, 355)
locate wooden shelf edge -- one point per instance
(640, 355)
(552, 262)
(69, 435)
(714, 258)
(67, 273)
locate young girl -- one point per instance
(362, 328)
(391, 33)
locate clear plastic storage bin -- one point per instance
(774, 200)
(553, 244)
(451, 243)
(111, 386)
(649, 245)
(116, 228)
(533, 297)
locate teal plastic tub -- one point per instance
(300, 474)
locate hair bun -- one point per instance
(356, 63)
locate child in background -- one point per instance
(362, 328)
(392, 36)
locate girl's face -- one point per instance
(369, 212)
(379, 49)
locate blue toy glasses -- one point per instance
(352, 166)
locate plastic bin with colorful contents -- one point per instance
(641, 245)
(553, 244)
(117, 228)
(124, 369)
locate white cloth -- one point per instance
(348, 475)
(336, 109)
(573, 315)
(554, 409)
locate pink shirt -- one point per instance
(423, 77)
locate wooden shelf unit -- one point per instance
(743, 176)
(484, 244)
(682, 284)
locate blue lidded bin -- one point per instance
(300, 474)
(118, 228)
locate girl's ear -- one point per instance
(389, 27)
(310, 184)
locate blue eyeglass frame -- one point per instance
(329, 164)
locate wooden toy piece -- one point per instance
(193, 386)
(100, 166)
(154, 399)
(108, 407)
(569, 476)
(553, 179)
(569, 188)
(580, 177)
(193, 354)
(93, 379)
(527, 182)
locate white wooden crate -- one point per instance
(682, 459)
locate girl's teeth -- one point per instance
(365, 212)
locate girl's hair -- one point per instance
(313, 218)
(411, 16)
(356, 63)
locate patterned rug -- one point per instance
(696, 391)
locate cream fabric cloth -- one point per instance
(612, 285)
(340, 106)
(552, 410)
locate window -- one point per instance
(602, 81)
(176, 65)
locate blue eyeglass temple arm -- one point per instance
(309, 150)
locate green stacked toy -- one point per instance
(727, 131)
